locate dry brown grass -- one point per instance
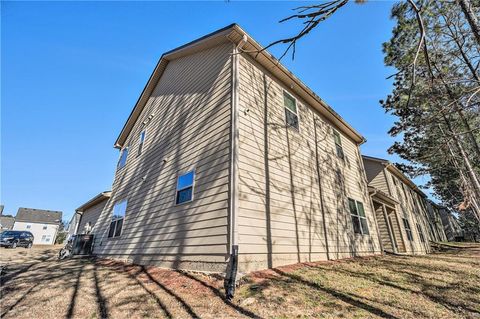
(442, 285)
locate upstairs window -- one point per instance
(29, 226)
(420, 233)
(118, 216)
(123, 158)
(185, 187)
(140, 143)
(291, 111)
(44, 227)
(338, 144)
(408, 230)
(359, 220)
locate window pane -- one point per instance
(291, 119)
(123, 158)
(289, 102)
(420, 233)
(353, 207)
(185, 195)
(119, 210)
(361, 211)
(118, 228)
(185, 180)
(336, 137)
(339, 151)
(409, 235)
(112, 229)
(364, 226)
(140, 145)
(356, 224)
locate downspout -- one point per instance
(232, 267)
(320, 188)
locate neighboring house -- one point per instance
(90, 212)
(43, 224)
(227, 151)
(436, 231)
(400, 208)
(453, 230)
(6, 222)
(73, 225)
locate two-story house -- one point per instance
(228, 156)
(43, 224)
(400, 208)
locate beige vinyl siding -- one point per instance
(414, 214)
(385, 234)
(188, 119)
(91, 216)
(280, 206)
(376, 175)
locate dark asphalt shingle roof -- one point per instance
(33, 215)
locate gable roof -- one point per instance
(236, 35)
(397, 172)
(32, 215)
(6, 222)
(95, 200)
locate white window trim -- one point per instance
(120, 157)
(193, 186)
(140, 143)
(335, 132)
(111, 219)
(297, 106)
(359, 216)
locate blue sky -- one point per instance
(72, 71)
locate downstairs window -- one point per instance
(359, 220)
(118, 216)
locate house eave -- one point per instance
(95, 200)
(235, 34)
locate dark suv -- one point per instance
(14, 238)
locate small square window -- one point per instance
(29, 226)
(338, 144)
(45, 227)
(123, 158)
(185, 187)
(291, 111)
(118, 215)
(141, 141)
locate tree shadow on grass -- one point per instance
(339, 295)
(101, 302)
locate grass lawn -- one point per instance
(440, 285)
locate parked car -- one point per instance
(14, 238)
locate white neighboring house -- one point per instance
(43, 224)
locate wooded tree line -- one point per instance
(435, 46)
(436, 97)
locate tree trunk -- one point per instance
(471, 18)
